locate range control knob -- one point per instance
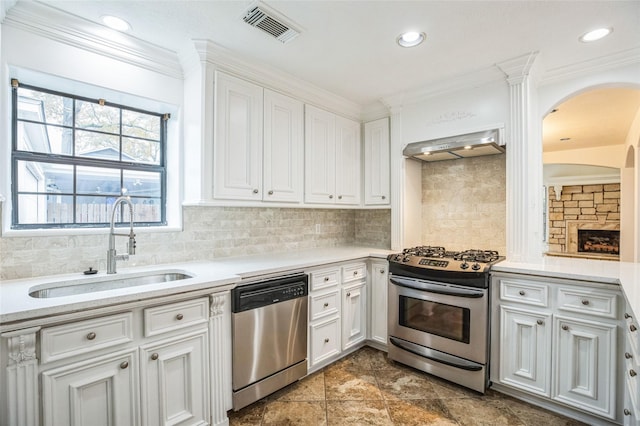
(475, 266)
(406, 259)
(464, 265)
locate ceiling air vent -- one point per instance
(261, 17)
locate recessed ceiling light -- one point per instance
(411, 38)
(595, 35)
(115, 23)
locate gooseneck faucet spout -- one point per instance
(112, 257)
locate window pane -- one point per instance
(42, 138)
(140, 125)
(93, 209)
(140, 151)
(44, 177)
(146, 210)
(97, 145)
(44, 107)
(142, 184)
(92, 116)
(50, 209)
(98, 180)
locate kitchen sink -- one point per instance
(93, 285)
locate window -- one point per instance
(72, 157)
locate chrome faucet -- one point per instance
(112, 257)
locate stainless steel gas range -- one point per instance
(439, 312)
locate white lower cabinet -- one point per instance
(354, 311)
(631, 369)
(324, 340)
(557, 339)
(94, 392)
(378, 278)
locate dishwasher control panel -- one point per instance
(252, 296)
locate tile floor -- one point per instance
(365, 388)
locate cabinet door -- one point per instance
(320, 156)
(238, 139)
(378, 312)
(525, 350)
(174, 380)
(354, 315)
(101, 391)
(283, 148)
(376, 162)
(348, 161)
(585, 365)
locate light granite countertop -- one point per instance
(16, 304)
(624, 274)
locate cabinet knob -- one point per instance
(339, 197)
(124, 364)
(154, 356)
(255, 191)
(355, 272)
(326, 305)
(270, 192)
(539, 322)
(585, 302)
(326, 279)
(91, 336)
(565, 327)
(179, 317)
(521, 293)
(349, 294)
(331, 197)
(627, 355)
(382, 271)
(633, 373)
(627, 412)
(384, 197)
(326, 340)
(633, 327)
(626, 316)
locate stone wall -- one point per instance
(598, 204)
(208, 233)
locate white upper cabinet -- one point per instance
(283, 148)
(376, 162)
(237, 139)
(332, 158)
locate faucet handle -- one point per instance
(131, 246)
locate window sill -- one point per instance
(63, 232)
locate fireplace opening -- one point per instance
(603, 241)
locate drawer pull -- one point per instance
(154, 356)
(348, 294)
(521, 293)
(633, 327)
(627, 412)
(585, 302)
(633, 373)
(627, 355)
(355, 272)
(565, 327)
(179, 317)
(255, 191)
(270, 192)
(626, 316)
(326, 279)
(382, 271)
(326, 340)
(384, 197)
(331, 197)
(124, 364)
(326, 305)
(539, 322)
(91, 336)
(339, 197)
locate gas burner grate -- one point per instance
(427, 251)
(483, 256)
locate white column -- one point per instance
(397, 179)
(524, 163)
(21, 385)
(220, 356)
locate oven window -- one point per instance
(442, 320)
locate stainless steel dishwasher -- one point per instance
(269, 323)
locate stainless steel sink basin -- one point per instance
(93, 285)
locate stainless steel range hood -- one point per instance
(475, 144)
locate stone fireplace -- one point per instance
(585, 221)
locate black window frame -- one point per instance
(74, 161)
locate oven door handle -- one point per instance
(437, 288)
(437, 356)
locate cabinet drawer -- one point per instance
(526, 292)
(324, 279)
(356, 271)
(325, 340)
(592, 302)
(80, 337)
(324, 304)
(175, 316)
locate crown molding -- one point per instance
(603, 63)
(225, 60)
(517, 69)
(54, 24)
(5, 5)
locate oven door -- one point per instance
(444, 317)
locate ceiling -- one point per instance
(349, 48)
